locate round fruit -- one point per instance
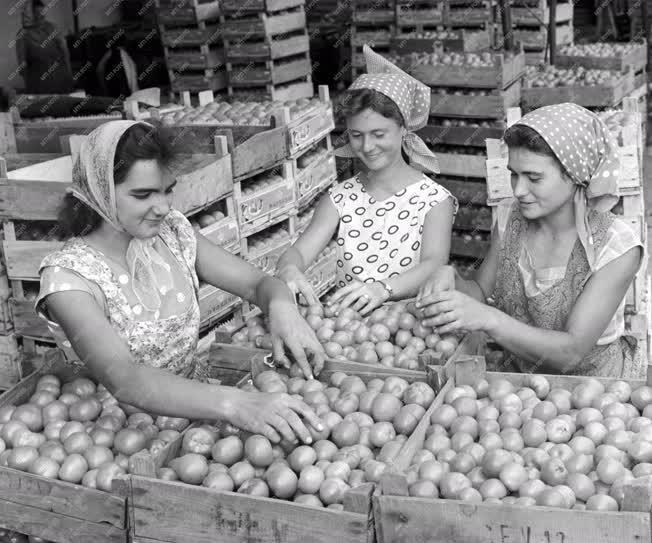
(228, 450)
(129, 441)
(191, 468)
(258, 451)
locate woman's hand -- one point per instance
(362, 297)
(450, 310)
(297, 282)
(276, 416)
(443, 279)
(289, 328)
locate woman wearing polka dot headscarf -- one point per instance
(120, 295)
(392, 222)
(560, 263)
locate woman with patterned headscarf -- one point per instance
(551, 290)
(121, 295)
(393, 222)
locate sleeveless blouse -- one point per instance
(165, 341)
(380, 240)
(551, 307)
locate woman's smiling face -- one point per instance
(144, 198)
(375, 139)
(539, 184)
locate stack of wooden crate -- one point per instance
(372, 23)
(192, 44)
(625, 126)
(267, 49)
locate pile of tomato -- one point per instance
(365, 427)
(536, 445)
(77, 432)
(392, 335)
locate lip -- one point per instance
(525, 203)
(155, 221)
(372, 157)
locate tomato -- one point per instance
(228, 450)
(11, 430)
(240, 472)
(30, 415)
(390, 451)
(45, 467)
(96, 456)
(53, 450)
(48, 380)
(325, 449)
(258, 451)
(254, 487)
(558, 430)
(282, 481)
(73, 468)
(407, 418)
(191, 468)
(385, 407)
(609, 470)
(6, 412)
(41, 398)
(551, 497)
(494, 461)
(352, 384)
(452, 484)
(54, 411)
(28, 439)
(345, 433)
(77, 443)
(333, 349)
(419, 393)
(219, 480)
(599, 502)
(554, 472)
(129, 441)
(531, 488)
(105, 475)
(198, 440)
(513, 476)
(167, 474)
(346, 403)
(172, 423)
(102, 437)
(81, 386)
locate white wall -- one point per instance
(90, 13)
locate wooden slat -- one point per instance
(444, 521)
(175, 512)
(23, 258)
(31, 200)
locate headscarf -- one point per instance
(412, 98)
(588, 152)
(93, 184)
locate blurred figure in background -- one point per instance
(42, 53)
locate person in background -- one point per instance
(116, 72)
(120, 296)
(393, 222)
(551, 290)
(42, 53)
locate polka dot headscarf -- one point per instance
(412, 98)
(583, 144)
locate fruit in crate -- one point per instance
(76, 431)
(465, 122)
(268, 238)
(599, 49)
(391, 336)
(311, 156)
(536, 444)
(365, 426)
(206, 219)
(260, 183)
(471, 60)
(238, 113)
(552, 76)
(432, 34)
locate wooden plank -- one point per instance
(461, 165)
(26, 320)
(31, 200)
(23, 258)
(443, 521)
(202, 180)
(635, 59)
(493, 106)
(175, 512)
(271, 25)
(20, 160)
(58, 169)
(467, 192)
(472, 136)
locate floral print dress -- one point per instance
(166, 338)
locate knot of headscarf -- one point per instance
(584, 146)
(412, 99)
(94, 185)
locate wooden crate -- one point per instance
(215, 304)
(301, 87)
(314, 178)
(505, 71)
(203, 57)
(187, 13)
(473, 219)
(11, 371)
(536, 16)
(52, 509)
(370, 15)
(375, 36)
(159, 510)
(598, 96)
(191, 37)
(197, 80)
(263, 25)
(399, 517)
(266, 49)
(225, 232)
(537, 39)
(469, 248)
(322, 273)
(465, 42)
(466, 192)
(492, 106)
(257, 6)
(461, 165)
(418, 12)
(265, 207)
(635, 60)
(437, 134)
(468, 15)
(273, 72)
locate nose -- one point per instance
(519, 186)
(162, 205)
(367, 144)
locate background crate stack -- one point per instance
(372, 22)
(192, 44)
(530, 21)
(267, 49)
(471, 95)
(625, 126)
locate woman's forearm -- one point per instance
(270, 289)
(292, 257)
(408, 283)
(470, 287)
(548, 350)
(158, 391)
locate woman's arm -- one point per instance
(231, 273)
(551, 350)
(157, 391)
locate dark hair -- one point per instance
(356, 101)
(524, 137)
(139, 142)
